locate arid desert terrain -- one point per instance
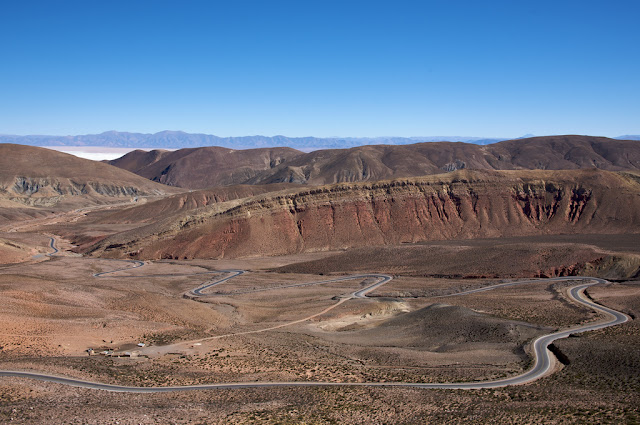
(368, 293)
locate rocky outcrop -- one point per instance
(31, 186)
(47, 192)
(455, 206)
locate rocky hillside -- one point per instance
(42, 177)
(214, 166)
(368, 163)
(186, 202)
(462, 204)
(200, 168)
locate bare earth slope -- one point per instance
(214, 166)
(441, 328)
(378, 162)
(27, 171)
(34, 178)
(199, 168)
(136, 161)
(186, 202)
(568, 152)
(459, 205)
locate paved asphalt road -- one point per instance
(52, 244)
(542, 355)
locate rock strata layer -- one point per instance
(458, 205)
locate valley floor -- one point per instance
(54, 309)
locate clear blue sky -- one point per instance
(321, 68)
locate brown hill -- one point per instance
(379, 162)
(43, 177)
(200, 168)
(206, 167)
(376, 162)
(459, 205)
(441, 328)
(568, 152)
(136, 161)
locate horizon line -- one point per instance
(307, 136)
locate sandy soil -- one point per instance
(53, 310)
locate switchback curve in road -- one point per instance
(542, 356)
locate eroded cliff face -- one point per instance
(30, 186)
(460, 206)
(45, 191)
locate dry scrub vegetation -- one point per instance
(412, 330)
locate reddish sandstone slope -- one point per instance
(462, 204)
(185, 202)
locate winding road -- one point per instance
(543, 360)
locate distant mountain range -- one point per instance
(179, 140)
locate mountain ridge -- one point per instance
(198, 168)
(168, 139)
(460, 205)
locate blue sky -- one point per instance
(321, 68)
